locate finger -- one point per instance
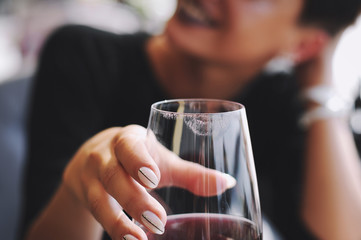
(110, 214)
(200, 180)
(132, 153)
(132, 196)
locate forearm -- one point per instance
(332, 195)
(64, 218)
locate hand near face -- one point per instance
(317, 70)
(112, 171)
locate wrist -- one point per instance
(321, 113)
(322, 103)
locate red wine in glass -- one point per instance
(204, 226)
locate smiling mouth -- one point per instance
(192, 12)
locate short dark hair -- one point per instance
(331, 15)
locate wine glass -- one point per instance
(213, 134)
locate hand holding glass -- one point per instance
(214, 135)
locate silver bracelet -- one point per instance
(331, 105)
(321, 113)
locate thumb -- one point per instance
(195, 178)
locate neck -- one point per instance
(184, 76)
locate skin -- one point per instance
(196, 59)
(185, 57)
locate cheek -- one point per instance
(262, 28)
(253, 40)
(250, 46)
(260, 41)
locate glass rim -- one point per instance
(237, 104)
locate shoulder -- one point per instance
(84, 40)
(65, 37)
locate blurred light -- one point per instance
(163, 9)
(10, 57)
(156, 9)
(347, 61)
(107, 15)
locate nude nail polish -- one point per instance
(151, 221)
(148, 177)
(129, 237)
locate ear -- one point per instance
(309, 44)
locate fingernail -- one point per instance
(231, 181)
(151, 221)
(129, 237)
(148, 177)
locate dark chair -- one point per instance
(13, 102)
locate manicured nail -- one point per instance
(129, 237)
(151, 221)
(231, 181)
(148, 177)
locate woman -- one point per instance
(89, 81)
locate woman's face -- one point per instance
(234, 31)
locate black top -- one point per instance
(90, 80)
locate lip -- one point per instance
(193, 12)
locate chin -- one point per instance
(196, 45)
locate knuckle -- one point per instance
(134, 128)
(139, 197)
(94, 159)
(129, 136)
(121, 143)
(126, 146)
(94, 204)
(118, 226)
(108, 175)
(66, 177)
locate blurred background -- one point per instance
(24, 24)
